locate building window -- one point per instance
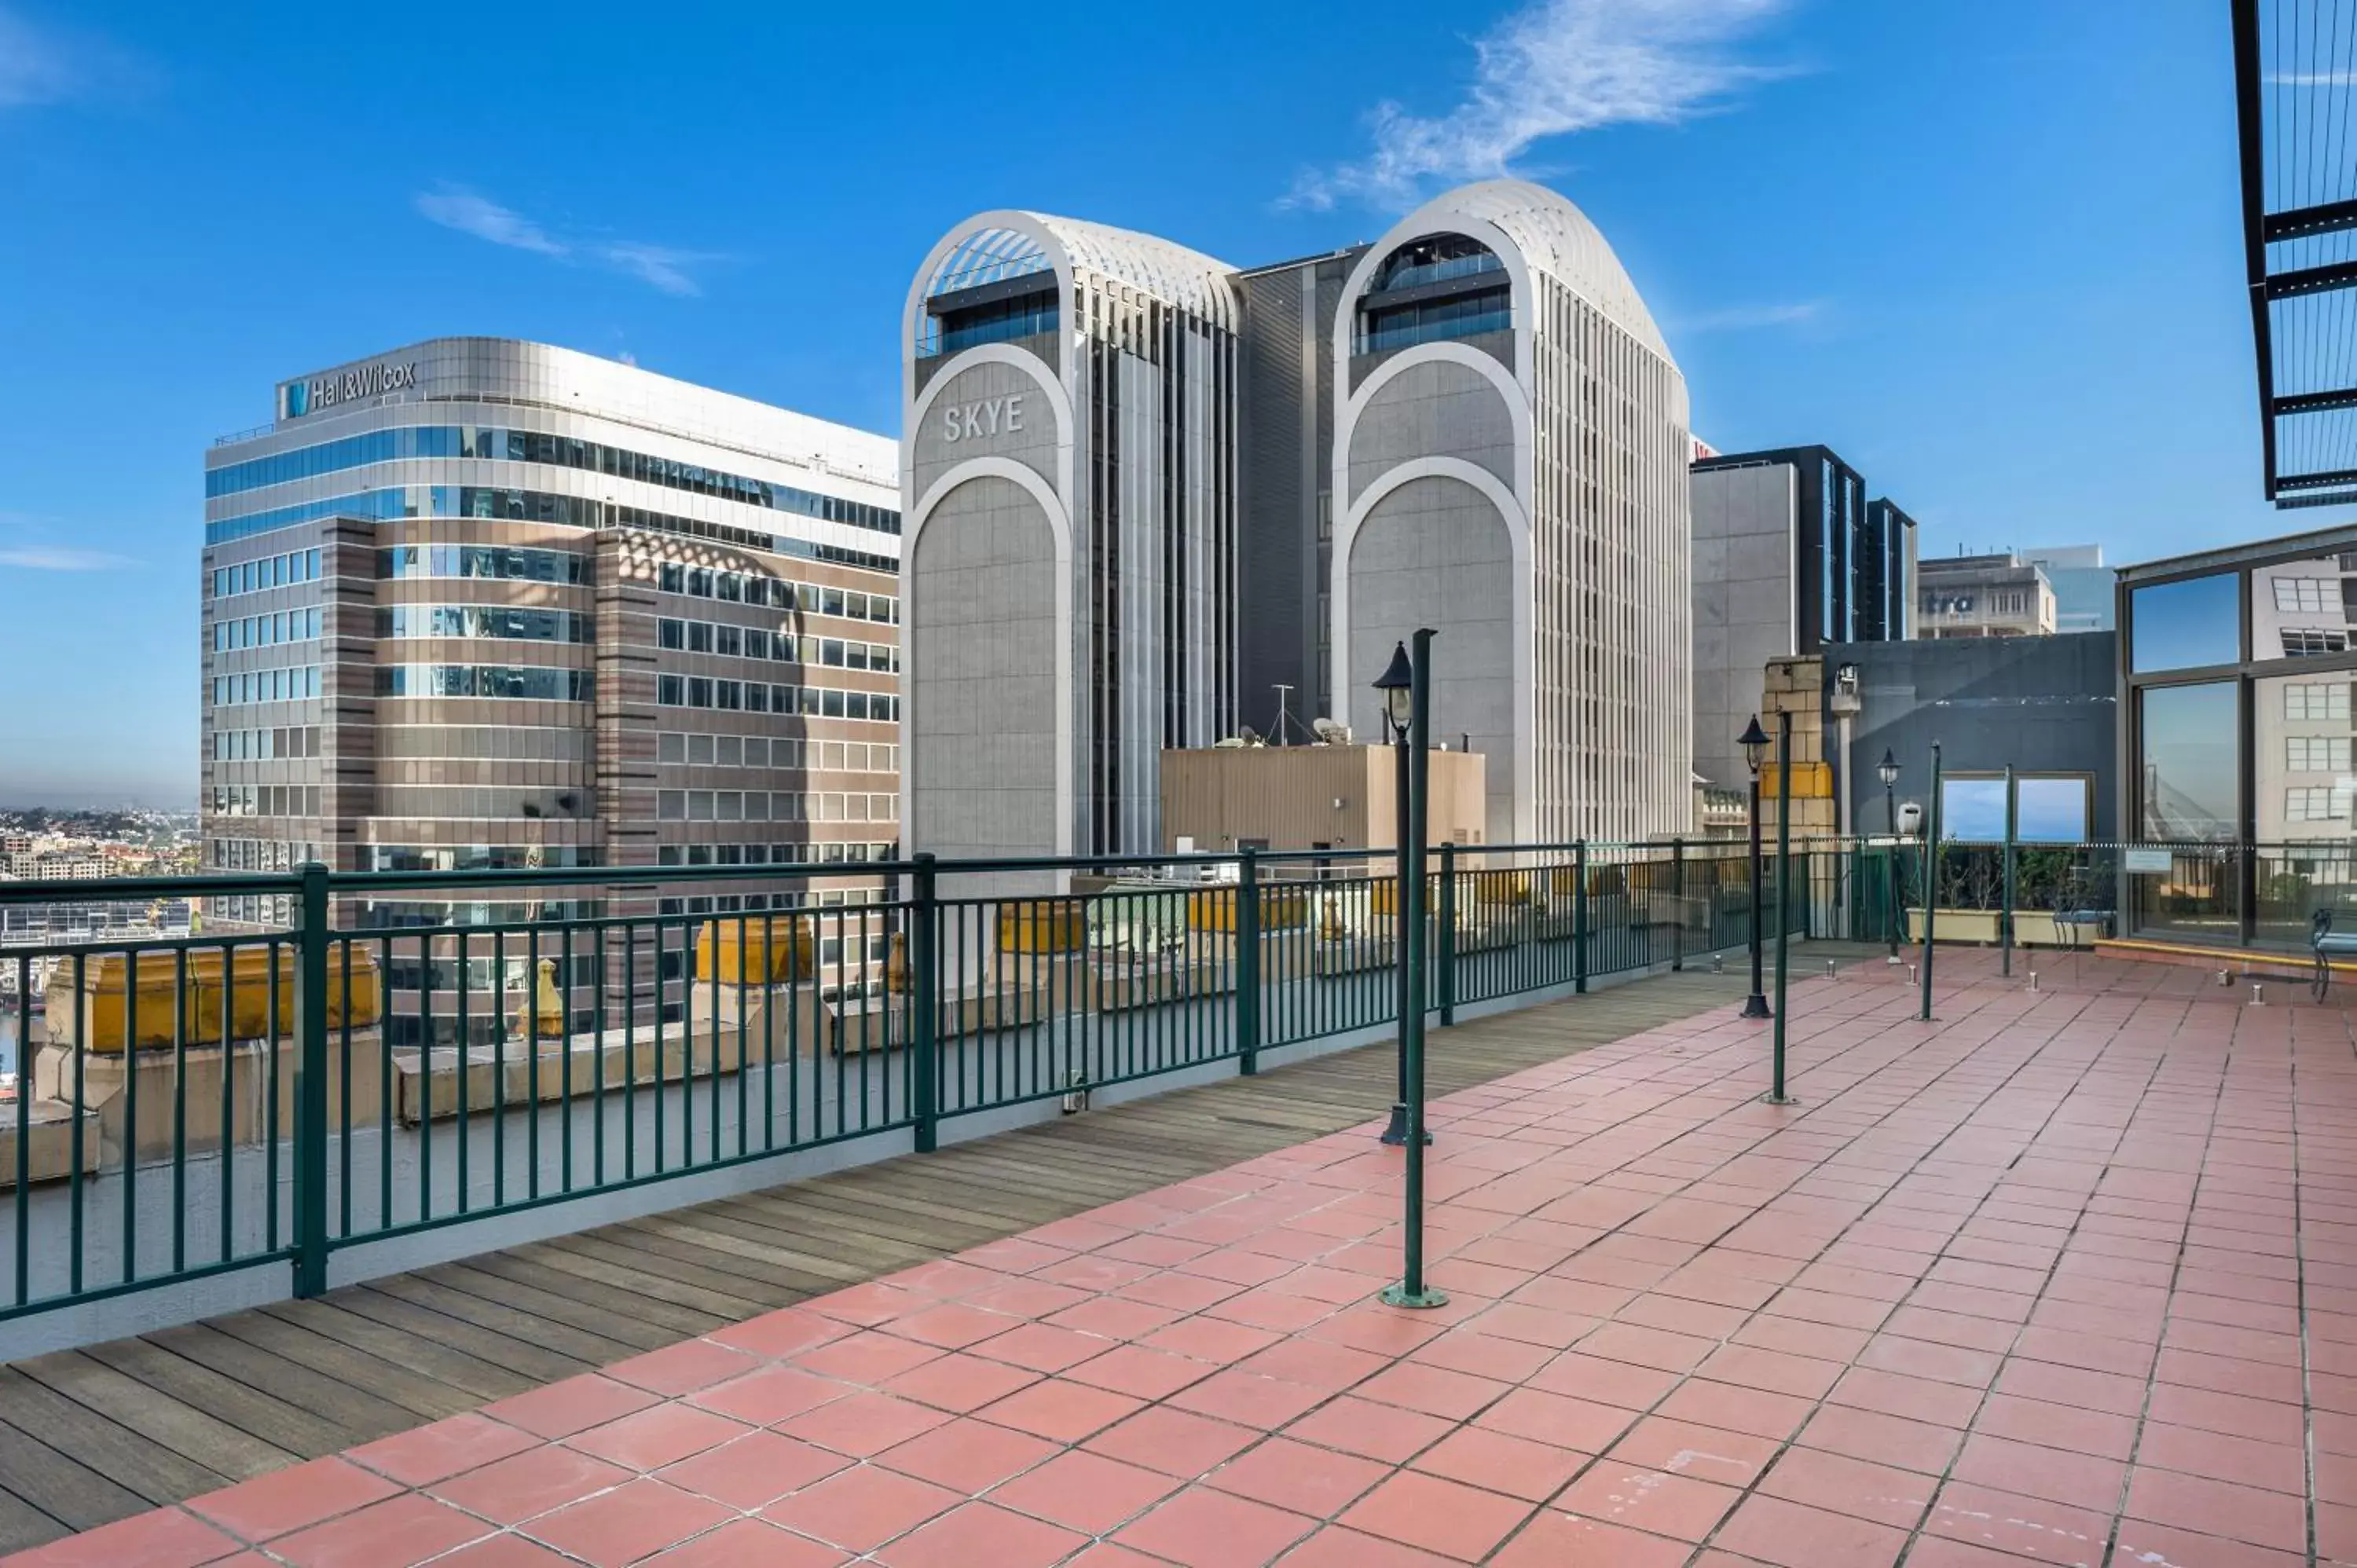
(2315, 752)
(2312, 596)
(2308, 702)
(2311, 643)
(2306, 804)
(2187, 771)
(2185, 625)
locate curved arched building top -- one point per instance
(994, 252)
(1551, 235)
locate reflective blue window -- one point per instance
(2186, 625)
(1406, 326)
(2187, 776)
(560, 451)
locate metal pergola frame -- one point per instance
(2266, 226)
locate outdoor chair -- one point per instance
(2327, 944)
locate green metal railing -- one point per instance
(548, 1035)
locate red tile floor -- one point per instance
(2063, 1278)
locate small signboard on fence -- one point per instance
(2133, 860)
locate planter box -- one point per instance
(2031, 929)
(1956, 925)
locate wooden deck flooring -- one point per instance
(94, 1434)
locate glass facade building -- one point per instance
(2237, 668)
(435, 618)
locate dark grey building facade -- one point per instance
(1285, 377)
(1790, 556)
(2047, 706)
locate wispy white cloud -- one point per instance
(454, 206)
(43, 64)
(660, 266)
(1551, 69)
(2313, 78)
(61, 558)
(1749, 317)
(664, 267)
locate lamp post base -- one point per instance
(1773, 1099)
(1396, 1134)
(1756, 1006)
(1400, 1295)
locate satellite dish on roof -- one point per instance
(1331, 731)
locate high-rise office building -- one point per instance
(1163, 488)
(478, 603)
(1069, 479)
(1997, 594)
(1789, 556)
(2084, 586)
(1285, 492)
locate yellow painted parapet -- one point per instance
(1043, 925)
(1811, 781)
(109, 980)
(1281, 908)
(755, 950)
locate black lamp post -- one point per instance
(1754, 741)
(1890, 771)
(1396, 688)
(1409, 711)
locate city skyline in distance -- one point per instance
(1863, 229)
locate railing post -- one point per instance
(1580, 919)
(311, 1085)
(925, 986)
(1931, 881)
(1247, 935)
(1677, 905)
(2012, 860)
(1447, 933)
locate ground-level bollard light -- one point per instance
(1411, 710)
(2259, 994)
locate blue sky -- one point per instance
(1988, 252)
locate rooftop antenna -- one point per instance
(1284, 711)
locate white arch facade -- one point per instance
(1518, 532)
(1602, 673)
(1134, 455)
(1059, 527)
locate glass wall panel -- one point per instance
(2304, 786)
(2046, 809)
(2186, 625)
(2299, 610)
(2052, 811)
(1971, 810)
(2186, 772)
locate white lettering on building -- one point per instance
(300, 398)
(981, 420)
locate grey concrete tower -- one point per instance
(1509, 465)
(1070, 564)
